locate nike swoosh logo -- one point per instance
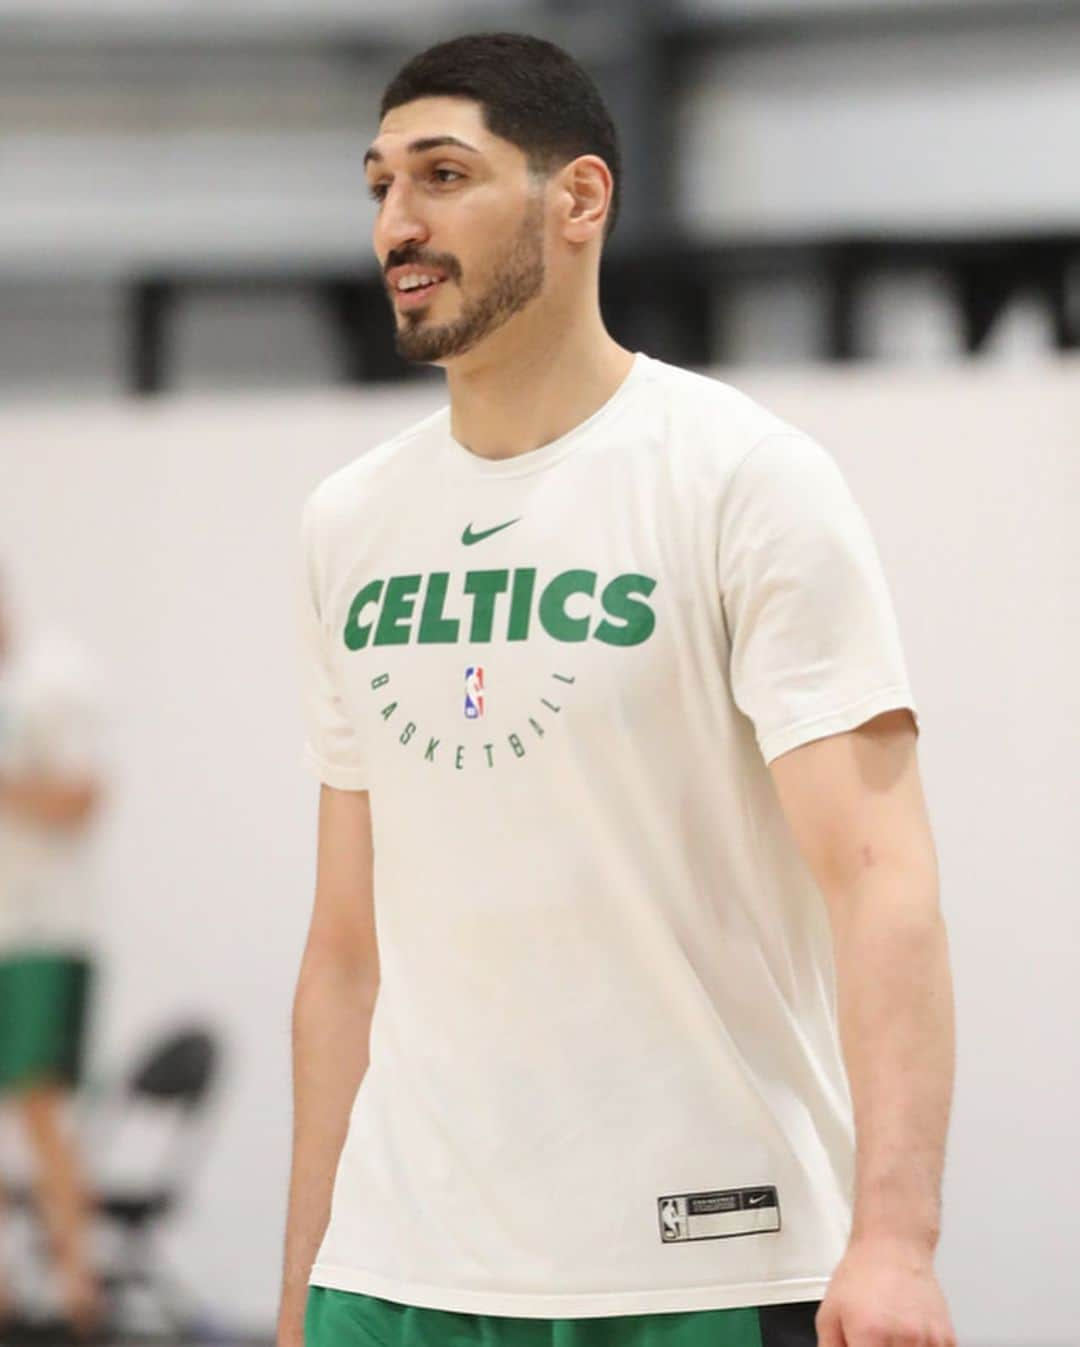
(754, 1201)
(469, 537)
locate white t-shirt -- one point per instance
(605, 1073)
(50, 724)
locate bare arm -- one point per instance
(896, 1023)
(49, 800)
(857, 811)
(332, 1010)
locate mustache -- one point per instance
(444, 262)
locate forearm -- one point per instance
(45, 801)
(895, 1006)
(331, 1024)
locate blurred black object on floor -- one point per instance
(172, 1083)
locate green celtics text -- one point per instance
(483, 606)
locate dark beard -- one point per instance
(518, 278)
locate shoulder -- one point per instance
(708, 424)
(351, 488)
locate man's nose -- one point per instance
(399, 222)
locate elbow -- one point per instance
(339, 964)
(904, 897)
(75, 805)
(86, 802)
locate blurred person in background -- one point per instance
(50, 793)
(591, 656)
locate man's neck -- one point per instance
(519, 400)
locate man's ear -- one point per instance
(586, 185)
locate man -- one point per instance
(49, 795)
(603, 1093)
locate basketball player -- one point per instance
(603, 1094)
(49, 796)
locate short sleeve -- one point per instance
(63, 705)
(815, 644)
(73, 732)
(331, 749)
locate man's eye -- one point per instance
(377, 191)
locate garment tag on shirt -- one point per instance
(718, 1215)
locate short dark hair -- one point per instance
(532, 93)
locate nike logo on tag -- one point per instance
(754, 1201)
(469, 537)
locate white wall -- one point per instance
(165, 537)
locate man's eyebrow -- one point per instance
(419, 146)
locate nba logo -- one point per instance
(474, 691)
(672, 1221)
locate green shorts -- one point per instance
(43, 1008)
(346, 1319)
